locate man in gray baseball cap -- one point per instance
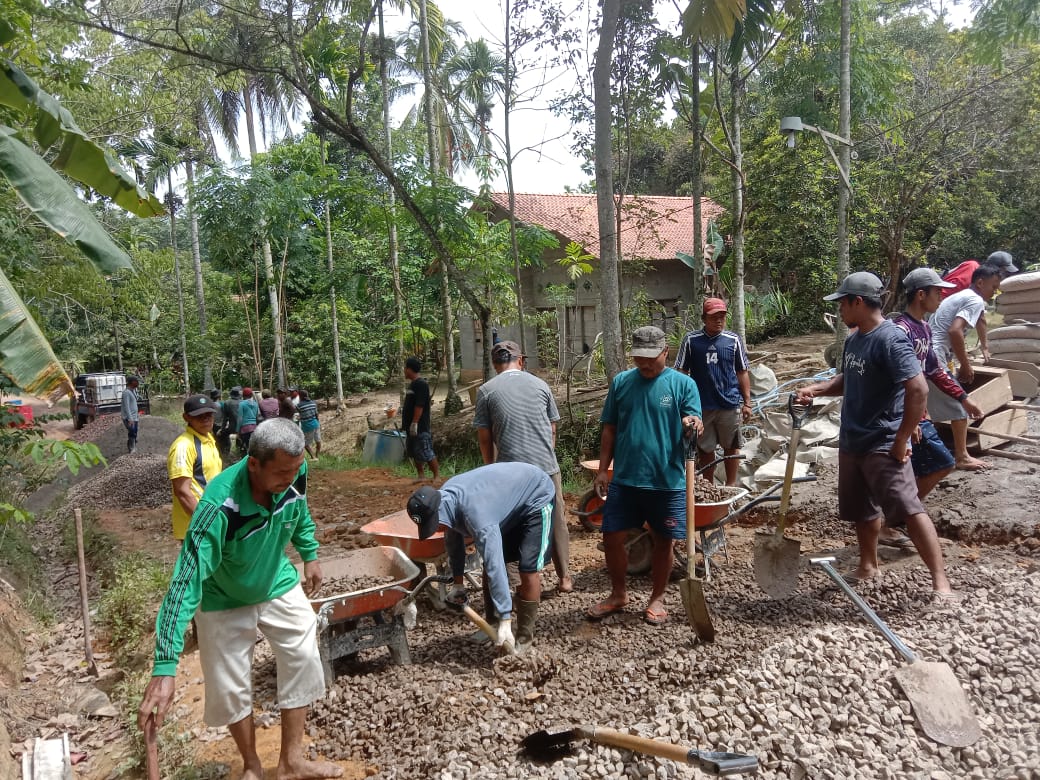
(884, 400)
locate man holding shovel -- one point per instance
(507, 509)
(648, 410)
(885, 395)
(233, 568)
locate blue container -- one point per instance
(383, 447)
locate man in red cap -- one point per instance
(717, 361)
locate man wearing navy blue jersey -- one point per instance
(716, 360)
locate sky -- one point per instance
(545, 162)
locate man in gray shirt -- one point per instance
(516, 415)
(506, 508)
(128, 412)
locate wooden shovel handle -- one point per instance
(691, 514)
(484, 626)
(650, 747)
(151, 743)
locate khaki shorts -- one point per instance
(874, 484)
(721, 429)
(227, 638)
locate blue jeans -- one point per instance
(131, 435)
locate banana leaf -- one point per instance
(26, 357)
(712, 20)
(78, 157)
(56, 204)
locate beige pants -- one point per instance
(226, 641)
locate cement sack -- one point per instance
(1021, 282)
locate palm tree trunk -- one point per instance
(180, 292)
(196, 259)
(272, 288)
(395, 265)
(513, 246)
(332, 299)
(737, 307)
(697, 184)
(611, 304)
(844, 156)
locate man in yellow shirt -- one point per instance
(193, 460)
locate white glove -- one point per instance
(457, 594)
(413, 429)
(505, 633)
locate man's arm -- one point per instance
(489, 543)
(982, 328)
(834, 386)
(913, 410)
(455, 545)
(553, 424)
(744, 383)
(184, 495)
(487, 445)
(681, 355)
(965, 371)
(606, 457)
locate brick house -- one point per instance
(654, 229)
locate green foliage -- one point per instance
(128, 606)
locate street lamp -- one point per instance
(791, 125)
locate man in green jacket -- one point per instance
(233, 569)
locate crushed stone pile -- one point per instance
(129, 481)
(804, 684)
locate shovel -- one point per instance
(151, 743)
(546, 746)
(691, 588)
(777, 558)
(942, 709)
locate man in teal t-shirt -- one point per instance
(234, 570)
(647, 412)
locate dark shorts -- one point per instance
(930, 454)
(421, 447)
(529, 542)
(875, 484)
(630, 507)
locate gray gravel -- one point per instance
(804, 684)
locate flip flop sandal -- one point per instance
(603, 609)
(903, 542)
(655, 617)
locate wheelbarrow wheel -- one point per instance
(590, 508)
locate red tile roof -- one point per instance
(653, 227)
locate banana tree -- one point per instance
(26, 357)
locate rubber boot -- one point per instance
(478, 637)
(526, 617)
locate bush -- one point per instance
(129, 605)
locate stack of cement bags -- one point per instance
(1019, 342)
(1019, 298)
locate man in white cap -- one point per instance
(884, 400)
(950, 323)
(648, 411)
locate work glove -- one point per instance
(413, 429)
(505, 633)
(457, 594)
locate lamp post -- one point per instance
(790, 126)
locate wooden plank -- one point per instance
(1018, 365)
(1014, 456)
(1007, 422)
(991, 388)
(50, 760)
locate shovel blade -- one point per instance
(939, 702)
(692, 591)
(777, 565)
(548, 745)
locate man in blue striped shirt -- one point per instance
(717, 361)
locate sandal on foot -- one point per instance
(602, 609)
(655, 617)
(901, 542)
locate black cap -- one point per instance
(197, 405)
(423, 508)
(506, 352)
(214, 394)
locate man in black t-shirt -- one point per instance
(416, 415)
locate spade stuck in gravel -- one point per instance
(691, 588)
(940, 704)
(777, 558)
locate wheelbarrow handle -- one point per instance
(766, 495)
(411, 594)
(717, 461)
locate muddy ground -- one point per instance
(801, 683)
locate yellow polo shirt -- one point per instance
(197, 458)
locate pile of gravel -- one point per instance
(804, 684)
(129, 481)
